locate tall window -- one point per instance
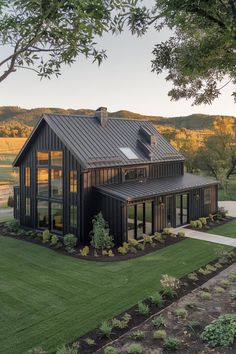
(42, 158)
(148, 217)
(27, 206)
(56, 183)
(73, 181)
(131, 221)
(73, 216)
(134, 173)
(42, 210)
(140, 220)
(27, 177)
(42, 180)
(56, 216)
(56, 158)
(207, 196)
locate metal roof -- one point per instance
(131, 191)
(99, 146)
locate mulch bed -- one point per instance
(212, 225)
(186, 287)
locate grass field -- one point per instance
(228, 230)
(48, 299)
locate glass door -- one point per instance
(181, 205)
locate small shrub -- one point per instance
(84, 251)
(143, 309)
(10, 201)
(210, 268)
(193, 276)
(232, 277)
(122, 250)
(204, 271)
(90, 341)
(169, 284)
(147, 239)
(158, 321)
(211, 217)
(218, 265)
(46, 236)
(137, 335)
(66, 350)
(100, 234)
(126, 246)
(133, 250)
(156, 299)
(158, 237)
(141, 246)
(203, 221)
(191, 305)
(105, 329)
(110, 253)
(193, 224)
(199, 224)
(135, 348)
(181, 313)
(193, 325)
(221, 332)
(219, 290)
(224, 283)
(110, 350)
(54, 240)
(167, 231)
(160, 334)
(233, 295)
(133, 243)
(171, 343)
(123, 322)
(70, 241)
(181, 234)
(221, 213)
(205, 295)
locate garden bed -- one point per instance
(93, 340)
(210, 224)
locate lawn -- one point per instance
(48, 299)
(228, 229)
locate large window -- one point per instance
(42, 158)
(148, 218)
(73, 216)
(131, 221)
(56, 183)
(140, 220)
(73, 181)
(56, 216)
(207, 196)
(134, 173)
(27, 177)
(42, 213)
(181, 204)
(27, 206)
(42, 181)
(56, 158)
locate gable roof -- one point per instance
(99, 146)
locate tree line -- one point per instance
(14, 129)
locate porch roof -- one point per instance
(130, 191)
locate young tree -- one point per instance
(100, 234)
(41, 35)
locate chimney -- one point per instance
(102, 115)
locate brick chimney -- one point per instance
(102, 115)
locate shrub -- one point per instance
(193, 223)
(218, 265)
(84, 251)
(69, 241)
(110, 253)
(171, 343)
(46, 236)
(133, 250)
(66, 350)
(204, 271)
(123, 322)
(205, 295)
(221, 332)
(100, 233)
(166, 231)
(194, 324)
(193, 276)
(122, 250)
(233, 295)
(143, 309)
(158, 321)
(224, 283)
(221, 213)
(110, 350)
(13, 225)
(203, 221)
(219, 290)
(199, 224)
(126, 245)
(133, 243)
(141, 246)
(105, 329)
(135, 348)
(137, 335)
(147, 239)
(54, 240)
(232, 277)
(210, 268)
(181, 313)
(37, 350)
(160, 334)
(211, 217)
(169, 284)
(156, 299)
(158, 237)
(181, 234)
(90, 341)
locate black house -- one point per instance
(72, 167)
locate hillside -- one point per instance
(30, 117)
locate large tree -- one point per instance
(41, 35)
(200, 55)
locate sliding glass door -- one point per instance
(181, 205)
(139, 220)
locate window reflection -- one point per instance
(42, 214)
(56, 216)
(131, 222)
(56, 183)
(73, 181)
(56, 158)
(42, 158)
(42, 181)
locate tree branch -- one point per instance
(233, 7)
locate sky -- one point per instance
(123, 81)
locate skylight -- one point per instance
(128, 153)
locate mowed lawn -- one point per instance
(47, 299)
(228, 229)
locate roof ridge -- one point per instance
(87, 116)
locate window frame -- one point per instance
(74, 181)
(27, 206)
(125, 170)
(27, 176)
(207, 197)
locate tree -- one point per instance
(201, 53)
(41, 35)
(100, 234)
(218, 155)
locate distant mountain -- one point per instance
(31, 116)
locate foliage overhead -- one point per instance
(42, 35)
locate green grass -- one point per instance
(48, 299)
(228, 229)
(231, 195)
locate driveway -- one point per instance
(230, 206)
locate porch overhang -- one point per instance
(133, 191)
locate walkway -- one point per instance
(203, 236)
